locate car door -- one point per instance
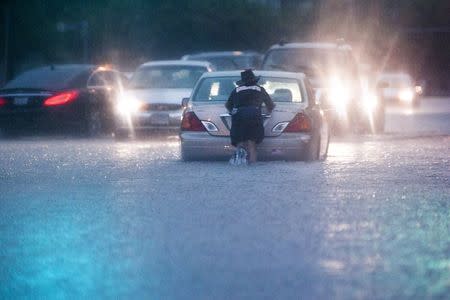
(104, 87)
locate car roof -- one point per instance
(221, 53)
(177, 63)
(74, 68)
(281, 74)
(66, 67)
(311, 45)
(52, 77)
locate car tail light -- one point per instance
(62, 98)
(300, 123)
(191, 122)
(2, 101)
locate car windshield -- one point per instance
(49, 78)
(232, 62)
(308, 60)
(166, 77)
(220, 88)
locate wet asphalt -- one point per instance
(100, 218)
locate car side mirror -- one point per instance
(185, 102)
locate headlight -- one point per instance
(339, 94)
(406, 95)
(370, 102)
(128, 105)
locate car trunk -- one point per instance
(217, 114)
(24, 100)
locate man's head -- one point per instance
(248, 78)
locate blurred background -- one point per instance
(403, 35)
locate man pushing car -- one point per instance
(244, 105)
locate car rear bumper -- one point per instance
(54, 117)
(168, 120)
(203, 146)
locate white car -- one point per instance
(153, 96)
(332, 68)
(399, 88)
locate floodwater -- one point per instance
(104, 219)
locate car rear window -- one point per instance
(56, 78)
(220, 88)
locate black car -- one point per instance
(61, 96)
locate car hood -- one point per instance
(167, 96)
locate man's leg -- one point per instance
(251, 149)
(240, 154)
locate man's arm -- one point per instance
(229, 104)
(267, 100)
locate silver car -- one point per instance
(297, 129)
(152, 99)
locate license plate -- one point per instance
(159, 119)
(21, 101)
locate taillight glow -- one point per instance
(2, 101)
(191, 122)
(300, 123)
(61, 99)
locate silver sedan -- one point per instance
(297, 129)
(153, 97)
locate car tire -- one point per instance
(93, 123)
(325, 155)
(186, 157)
(121, 134)
(312, 150)
(8, 133)
(379, 123)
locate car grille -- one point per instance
(161, 107)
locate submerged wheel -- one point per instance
(93, 122)
(379, 124)
(186, 156)
(8, 133)
(121, 134)
(312, 150)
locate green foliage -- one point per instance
(129, 32)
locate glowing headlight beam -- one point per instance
(370, 103)
(339, 94)
(406, 95)
(128, 105)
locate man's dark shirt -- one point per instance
(249, 96)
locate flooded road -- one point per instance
(104, 219)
